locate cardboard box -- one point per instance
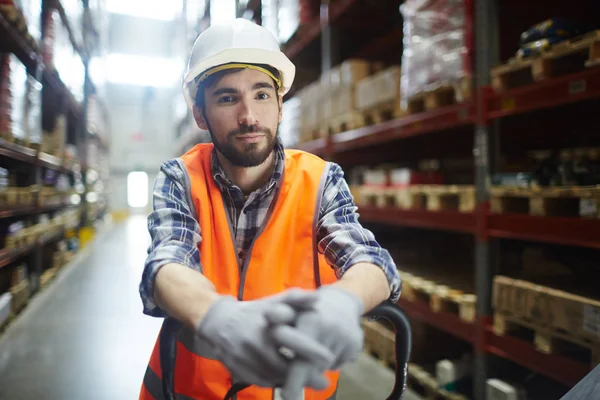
(365, 93)
(19, 274)
(387, 84)
(503, 294)
(20, 296)
(577, 315)
(344, 101)
(353, 70)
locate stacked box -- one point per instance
(378, 89)
(310, 98)
(53, 142)
(289, 128)
(437, 44)
(339, 87)
(548, 307)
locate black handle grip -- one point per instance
(403, 344)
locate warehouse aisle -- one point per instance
(86, 338)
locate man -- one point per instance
(243, 232)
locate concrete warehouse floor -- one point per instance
(85, 337)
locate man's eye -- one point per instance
(226, 99)
(262, 96)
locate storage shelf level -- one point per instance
(446, 322)
(561, 369)
(552, 92)
(442, 220)
(566, 231)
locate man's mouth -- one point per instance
(253, 138)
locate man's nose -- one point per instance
(247, 116)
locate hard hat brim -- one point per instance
(275, 59)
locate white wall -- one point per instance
(142, 120)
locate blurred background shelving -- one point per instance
(466, 129)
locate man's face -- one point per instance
(242, 113)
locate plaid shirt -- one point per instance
(175, 232)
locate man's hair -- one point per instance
(212, 80)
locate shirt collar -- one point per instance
(225, 183)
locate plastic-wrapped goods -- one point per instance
(436, 44)
(289, 127)
(33, 112)
(17, 83)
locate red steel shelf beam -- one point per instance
(561, 369)
(441, 320)
(9, 256)
(444, 220)
(550, 93)
(17, 152)
(566, 231)
(17, 211)
(411, 125)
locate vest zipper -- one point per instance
(246, 261)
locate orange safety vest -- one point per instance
(284, 255)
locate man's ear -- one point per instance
(280, 100)
(199, 117)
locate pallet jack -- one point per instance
(403, 344)
(386, 310)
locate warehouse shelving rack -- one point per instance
(14, 41)
(478, 117)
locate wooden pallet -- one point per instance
(47, 277)
(441, 96)
(20, 296)
(439, 297)
(382, 113)
(548, 340)
(345, 122)
(425, 385)
(575, 201)
(422, 197)
(563, 58)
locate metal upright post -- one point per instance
(486, 54)
(329, 39)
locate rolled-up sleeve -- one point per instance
(173, 228)
(343, 240)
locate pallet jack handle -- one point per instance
(402, 345)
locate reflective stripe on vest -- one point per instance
(289, 241)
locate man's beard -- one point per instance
(251, 155)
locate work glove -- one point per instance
(246, 342)
(334, 321)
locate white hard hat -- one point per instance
(237, 43)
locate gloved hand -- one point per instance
(334, 322)
(246, 343)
